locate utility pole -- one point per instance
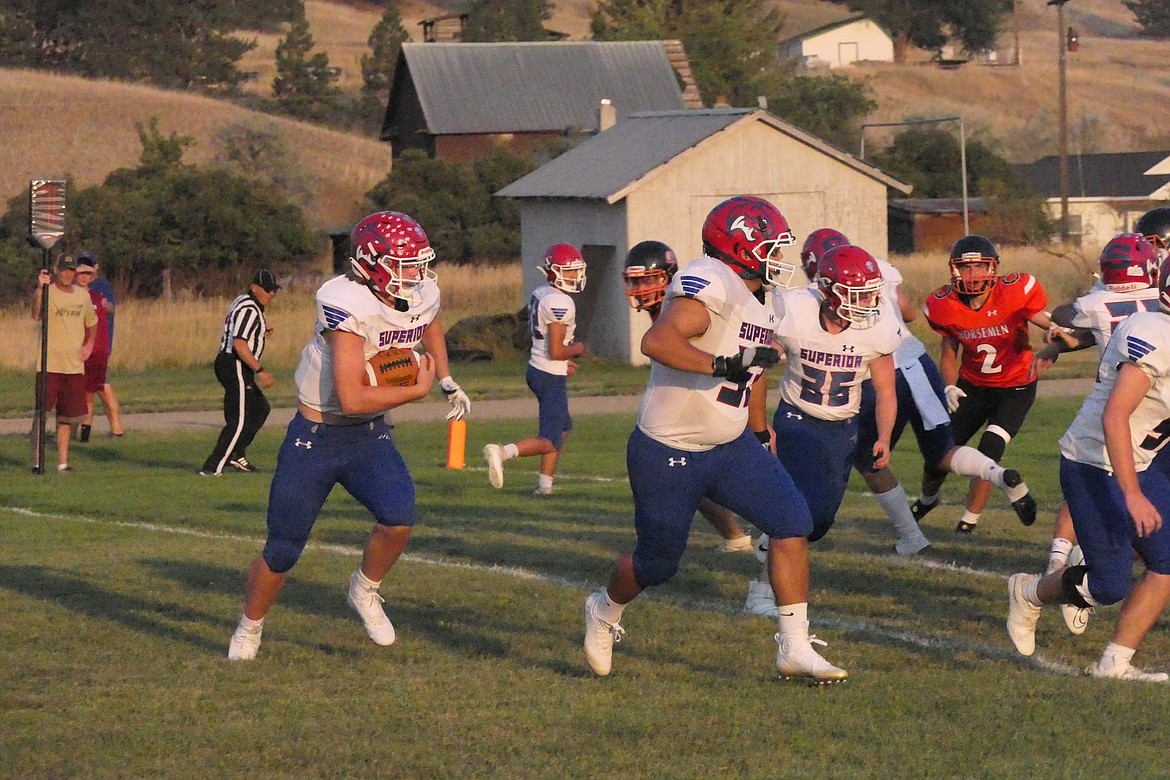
(1062, 149)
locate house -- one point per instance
(1107, 193)
(840, 43)
(933, 224)
(461, 101)
(656, 175)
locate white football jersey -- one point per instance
(349, 306)
(696, 412)
(1143, 339)
(825, 370)
(549, 305)
(911, 347)
(1101, 311)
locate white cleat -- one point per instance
(738, 544)
(912, 545)
(1109, 667)
(1022, 616)
(796, 658)
(539, 491)
(245, 643)
(368, 604)
(1076, 618)
(760, 600)
(761, 548)
(600, 636)
(494, 455)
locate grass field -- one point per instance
(122, 583)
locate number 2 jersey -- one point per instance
(697, 412)
(349, 306)
(1143, 339)
(995, 350)
(825, 370)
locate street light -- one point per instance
(1063, 43)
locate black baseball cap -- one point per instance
(66, 263)
(87, 259)
(265, 281)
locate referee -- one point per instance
(239, 370)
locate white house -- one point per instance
(842, 43)
(656, 175)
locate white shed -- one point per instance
(656, 175)
(842, 43)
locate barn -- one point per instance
(656, 175)
(841, 43)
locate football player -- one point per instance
(650, 265)
(389, 298)
(983, 319)
(709, 345)
(1118, 493)
(552, 320)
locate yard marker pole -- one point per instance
(456, 444)
(46, 226)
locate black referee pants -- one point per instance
(244, 411)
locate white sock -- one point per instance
(250, 625)
(1116, 655)
(544, 481)
(794, 619)
(969, 517)
(926, 500)
(1058, 556)
(510, 451)
(609, 610)
(1030, 594)
(894, 503)
(366, 582)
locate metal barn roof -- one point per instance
(1106, 175)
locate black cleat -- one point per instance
(920, 510)
(1025, 506)
(83, 434)
(964, 527)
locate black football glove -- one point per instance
(734, 368)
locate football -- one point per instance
(392, 367)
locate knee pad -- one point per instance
(1072, 586)
(653, 571)
(282, 554)
(993, 442)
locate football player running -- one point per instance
(1118, 493)
(983, 318)
(650, 265)
(834, 338)
(389, 298)
(708, 346)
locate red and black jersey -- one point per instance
(993, 339)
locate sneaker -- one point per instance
(965, 528)
(1110, 667)
(1024, 506)
(912, 545)
(494, 454)
(920, 509)
(244, 644)
(368, 603)
(206, 473)
(760, 600)
(83, 434)
(541, 491)
(761, 548)
(795, 657)
(738, 544)
(1076, 618)
(1022, 616)
(600, 636)
(242, 464)
(63, 467)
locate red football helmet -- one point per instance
(391, 253)
(816, 245)
(565, 268)
(971, 252)
(650, 266)
(851, 282)
(1129, 262)
(744, 232)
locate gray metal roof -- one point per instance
(608, 165)
(1106, 175)
(537, 87)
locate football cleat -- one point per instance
(542, 491)
(796, 658)
(912, 545)
(1022, 616)
(738, 544)
(920, 508)
(600, 636)
(494, 456)
(1076, 618)
(1112, 668)
(1024, 505)
(245, 643)
(760, 600)
(368, 604)
(965, 528)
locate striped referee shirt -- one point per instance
(245, 320)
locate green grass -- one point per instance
(121, 583)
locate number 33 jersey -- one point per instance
(825, 370)
(994, 337)
(1143, 339)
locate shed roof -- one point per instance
(824, 28)
(1108, 175)
(938, 206)
(608, 165)
(471, 88)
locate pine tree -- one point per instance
(385, 42)
(305, 85)
(507, 20)
(1152, 15)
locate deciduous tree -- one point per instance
(928, 24)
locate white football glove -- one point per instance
(953, 395)
(460, 403)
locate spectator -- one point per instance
(71, 328)
(96, 366)
(238, 369)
